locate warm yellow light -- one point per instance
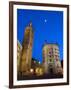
(39, 71)
(31, 70)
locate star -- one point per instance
(45, 20)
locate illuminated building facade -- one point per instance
(51, 59)
(26, 54)
(19, 48)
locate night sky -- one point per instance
(47, 26)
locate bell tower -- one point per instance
(26, 54)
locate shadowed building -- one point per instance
(26, 54)
(51, 59)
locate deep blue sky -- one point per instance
(47, 25)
